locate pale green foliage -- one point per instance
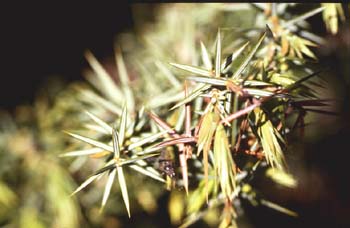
(229, 85)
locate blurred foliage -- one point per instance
(36, 185)
(199, 100)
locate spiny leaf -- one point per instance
(248, 58)
(171, 78)
(123, 75)
(100, 122)
(196, 92)
(107, 167)
(206, 58)
(82, 152)
(208, 80)
(136, 158)
(268, 139)
(223, 163)
(116, 148)
(206, 131)
(187, 115)
(97, 128)
(193, 69)
(165, 98)
(122, 127)
(278, 208)
(218, 56)
(300, 81)
(259, 92)
(280, 79)
(302, 46)
(269, 33)
(91, 141)
(147, 140)
(86, 183)
(205, 136)
(108, 188)
(147, 150)
(123, 188)
(147, 173)
(256, 83)
(124, 79)
(162, 124)
(175, 141)
(91, 97)
(330, 16)
(111, 90)
(302, 17)
(100, 155)
(225, 65)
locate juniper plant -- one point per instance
(202, 119)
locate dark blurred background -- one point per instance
(41, 40)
